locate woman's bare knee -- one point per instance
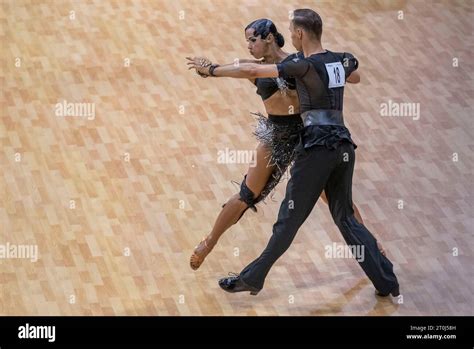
(233, 199)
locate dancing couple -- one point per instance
(313, 140)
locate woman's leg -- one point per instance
(357, 216)
(257, 178)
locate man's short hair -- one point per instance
(309, 21)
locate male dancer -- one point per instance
(326, 156)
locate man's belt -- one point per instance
(323, 117)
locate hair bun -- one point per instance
(280, 40)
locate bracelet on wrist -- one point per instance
(212, 68)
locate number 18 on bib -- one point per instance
(337, 74)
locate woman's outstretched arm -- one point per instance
(239, 71)
(204, 61)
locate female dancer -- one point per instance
(277, 135)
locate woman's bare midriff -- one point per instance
(282, 104)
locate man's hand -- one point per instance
(200, 64)
(354, 78)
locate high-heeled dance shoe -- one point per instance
(234, 283)
(199, 255)
(395, 292)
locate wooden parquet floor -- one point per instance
(115, 199)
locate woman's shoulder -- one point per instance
(292, 56)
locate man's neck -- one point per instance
(312, 47)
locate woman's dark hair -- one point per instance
(263, 27)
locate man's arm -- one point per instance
(241, 61)
(248, 60)
(247, 71)
(252, 71)
(295, 68)
(351, 64)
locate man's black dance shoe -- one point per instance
(234, 283)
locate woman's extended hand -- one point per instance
(200, 64)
